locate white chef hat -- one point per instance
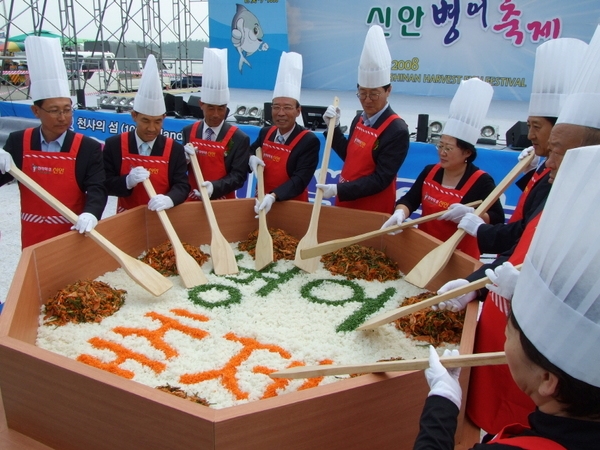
(582, 106)
(215, 89)
(289, 76)
(375, 63)
(557, 297)
(149, 98)
(46, 66)
(552, 81)
(468, 109)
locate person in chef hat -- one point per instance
(553, 328)
(222, 149)
(290, 151)
(67, 164)
(130, 158)
(454, 178)
(368, 178)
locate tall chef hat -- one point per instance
(46, 67)
(149, 98)
(551, 81)
(215, 90)
(582, 106)
(557, 297)
(289, 76)
(375, 63)
(468, 109)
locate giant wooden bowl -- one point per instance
(65, 404)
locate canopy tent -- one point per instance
(65, 41)
(10, 46)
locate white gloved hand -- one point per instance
(254, 162)
(534, 162)
(196, 195)
(209, 188)
(470, 223)
(456, 212)
(457, 303)
(6, 161)
(442, 381)
(160, 202)
(397, 218)
(86, 222)
(190, 149)
(330, 113)
(136, 176)
(504, 279)
(266, 204)
(329, 190)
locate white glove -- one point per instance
(136, 176)
(442, 381)
(86, 222)
(329, 190)
(196, 195)
(456, 212)
(330, 113)
(190, 149)
(504, 279)
(396, 219)
(470, 223)
(6, 161)
(534, 162)
(457, 303)
(266, 204)
(209, 188)
(160, 202)
(254, 162)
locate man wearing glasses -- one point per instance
(66, 164)
(379, 138)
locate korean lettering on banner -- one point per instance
(447, 11)
(87, 123)
(510, 25)
(406, 15)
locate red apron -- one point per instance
(518, 213)
(510, 435)
(158, 166)
(211, 158)
(55, 172)
(276, 157)
(494, 398)
(359, 163)
(436, 198)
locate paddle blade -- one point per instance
(308, 265)
(264, 249)
(145, 276)
(222, 255)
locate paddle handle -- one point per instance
(478, 359)
(164, 219)
(204, 193)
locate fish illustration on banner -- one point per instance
(246, 35)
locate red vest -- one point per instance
(359, 163)
(211, 158)
(510, 435)
(436, 198)
(158, 166)
(55, 172)
(276, 157)
(518, 213)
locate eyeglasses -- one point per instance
(372, 96)
(58, 112)
(286, 108)
(445, 148)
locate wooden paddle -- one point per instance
(190, 271)
(435, 261)
(220, 250)
(336, 244)
(478, 359)
(263, 255)
(310, 238)
(141, 273)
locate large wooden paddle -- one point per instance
(220, 250)
(141, 273)
(263, 252)
(478, 359)
(336, 244)
(435, 261)
(190, 272)
(310, 238)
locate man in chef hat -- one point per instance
(66, 164)
(290, 151)
(378, 141)
(553, 330)
(222, 148)
(131, 157)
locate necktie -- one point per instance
(145, 149)
(280, 139)
(208, 134)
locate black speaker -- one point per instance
(193, 104)
(268, 113)
(422, 128)
(516, 136)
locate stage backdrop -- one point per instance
(434, 43)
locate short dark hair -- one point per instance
(591, 136)
(467, 146)
(582, 400)
(39, 103)
(552, 120)
(385, 88)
